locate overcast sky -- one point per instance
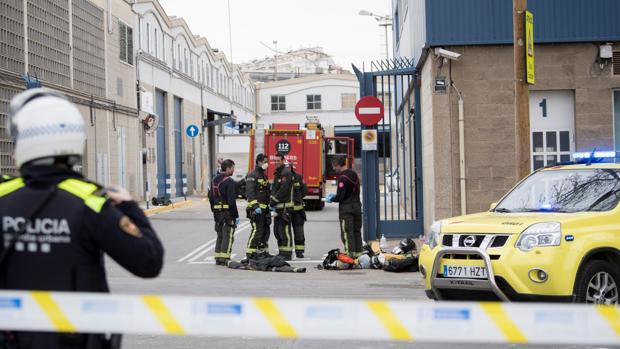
(333, 24)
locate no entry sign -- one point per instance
(369, 110)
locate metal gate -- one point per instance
(392, 175)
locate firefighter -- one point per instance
(257, 192)
(300, 190)
(57, 225)
(282, 203)
(349, 208)
(223, 200)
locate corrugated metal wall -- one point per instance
(12, 35)
(88, 48)
(471, 22)
(48, 40)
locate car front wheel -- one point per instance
(598, 284)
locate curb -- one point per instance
(156, 210)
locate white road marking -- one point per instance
(198, 249)
(203, 249)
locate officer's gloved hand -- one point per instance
(237, 221)
(258, 210)
(272, 208)
(117, 194)
(330, 197)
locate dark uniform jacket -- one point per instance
(300, 190)
(62, 248)
(223, 195)
(348, 194)
(282, 189)
(257, 189)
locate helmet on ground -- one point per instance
(45, 124)
(405, 245)
(364, 261)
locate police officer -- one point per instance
(350, 207)
(257, 192)
(300, 190)
(282, 203)
(57, 225)
(223, 200)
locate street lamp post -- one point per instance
(385, 22)
(275, 55)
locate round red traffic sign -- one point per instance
(369, 110)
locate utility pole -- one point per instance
(522, 98)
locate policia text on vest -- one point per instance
(56, 225)
(222, 198)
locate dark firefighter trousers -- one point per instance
(225, 229)
(259, 237)
(282, 231)
(351, 233)
(299, 219)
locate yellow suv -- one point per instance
(553, 237)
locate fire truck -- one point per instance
(307, 149)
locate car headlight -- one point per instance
(433, 235)
(540, 235)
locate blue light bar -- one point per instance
(597, 154)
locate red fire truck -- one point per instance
(308, 150)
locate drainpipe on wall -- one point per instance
(462, 176)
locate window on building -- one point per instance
(155, 42)
(278, 103)
(313, 102)
(148, 38)
(180, 65)
(550, 147)
(348, 100)
(186, 65)
(163, 47)
(125, 33)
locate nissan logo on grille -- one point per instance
(469, 241)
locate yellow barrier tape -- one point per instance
(53, 311)
(611, 314)
(163, 314)
(275, 317)
(510, 330)
(390, 321)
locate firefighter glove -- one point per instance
(237, 221)
(330, 197)
(258, 210)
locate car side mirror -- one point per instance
(493, 206)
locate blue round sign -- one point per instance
(192, 131)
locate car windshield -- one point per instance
(565, 191)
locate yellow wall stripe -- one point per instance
(163, 314)
(510, 330)
(390, 321)
(611, 314)
(282, 326)
(53, 311)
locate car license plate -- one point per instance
(468, 272)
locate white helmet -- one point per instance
(45, 124)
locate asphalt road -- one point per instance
(189, 239)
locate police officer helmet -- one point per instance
(45, 124)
